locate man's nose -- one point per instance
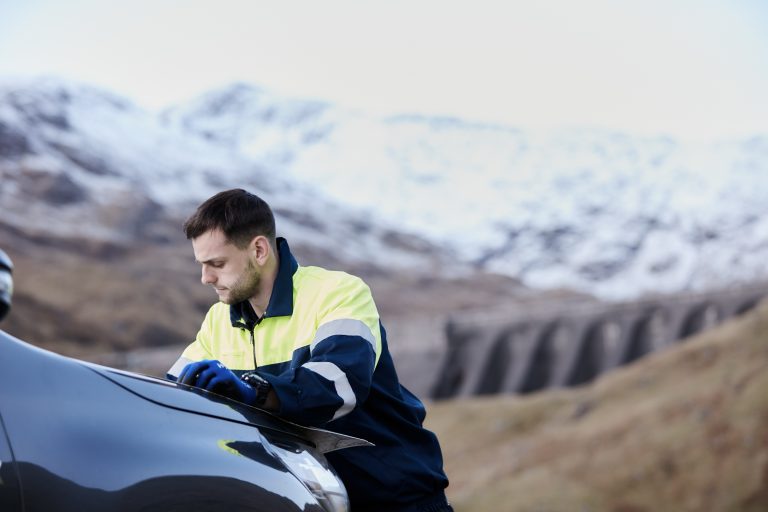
(208, 276)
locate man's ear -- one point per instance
(260, 248)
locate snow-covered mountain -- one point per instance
(599, 211)
(78, 161)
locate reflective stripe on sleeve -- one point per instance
(333, 373)
(178, 366)
(344, 327)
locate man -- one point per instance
(307, 343)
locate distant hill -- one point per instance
(685, 429)
(610, 214)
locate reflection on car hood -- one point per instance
(198, 401)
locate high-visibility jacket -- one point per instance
(321, 346)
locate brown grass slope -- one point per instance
(682, 430)
(83, 298)
(80, 304)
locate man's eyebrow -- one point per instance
(211, 260)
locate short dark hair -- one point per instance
(240, 215)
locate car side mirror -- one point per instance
(6, 284)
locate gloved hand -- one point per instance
(213, 376)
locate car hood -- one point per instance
(198, 401)
(28, 358)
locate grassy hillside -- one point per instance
(85, 298)
(682, 430)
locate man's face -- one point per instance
(230, 270)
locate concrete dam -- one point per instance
(527, 351)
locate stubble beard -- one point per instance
(246, 286)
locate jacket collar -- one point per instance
(281, 300)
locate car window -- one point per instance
(10, 497)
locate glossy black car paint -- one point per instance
(79, 437)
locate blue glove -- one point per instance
(213, 376)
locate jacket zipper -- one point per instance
(253, 345)
(253, 340)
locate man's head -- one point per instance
(239, 215)
(233, 237)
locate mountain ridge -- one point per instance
(594, 210)
(600, 211)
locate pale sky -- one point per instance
(688, 68)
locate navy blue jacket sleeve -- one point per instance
(343, 356)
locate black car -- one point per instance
(82, 437)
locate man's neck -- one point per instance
(260, 302)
